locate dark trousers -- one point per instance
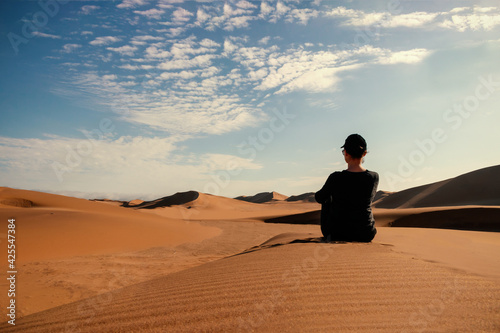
(338, 231)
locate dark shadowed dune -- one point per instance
(307, 197)
(263, 197)
(381, 194)
(304, 218)
(460, 218)
(478, 219)
(179, 198)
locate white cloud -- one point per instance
(229, 47)
(88, 9)
(406, 57)
(68, 48)
(281, 10)
(188, 46)
(273, 14)
(302, 15)
(105, 40)
(181, 16)
(316, 81)
(265, 9)
(144, 40)
(209, 43)
(44, 35)
(154, 52)
(174, 32)
(147, 38)
(132, 3)
(245, 4)
(152, 13)
(197, 114)
(198, 61)
(258, 74)
(125, 50)
(238, 22)
(179, 75)
(412, 20)
(230, 11)
(461, 18)
(265, 40)
(129, 67)
(201, 17)
(477, 18)
(84, 33)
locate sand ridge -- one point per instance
(479, 187)
(306, 287)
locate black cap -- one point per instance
(355, 145)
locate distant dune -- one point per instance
(381, 195)
(306, 197)
(462, 218)
(52, 226)
(480, 187)
(263, 197)
(179, 198)
(302, 218)
(202, 206)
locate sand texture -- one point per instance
(303, 286)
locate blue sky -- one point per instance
(140, 99)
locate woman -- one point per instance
(347, 195)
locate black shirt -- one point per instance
(351, 195)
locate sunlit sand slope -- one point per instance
(286, 286)
(479, 187)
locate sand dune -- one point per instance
(263, 197)
(212, 207)
(291, 283)
(53, 225)
(179, 198)
(302, 218)
(55, 230)
(480, 187)
(307, 197)
(380, 195)
(478, 218)
(462, 218)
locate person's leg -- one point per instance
(326, 223)
(367, 236)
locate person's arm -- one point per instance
(375, 186)
(322, 195)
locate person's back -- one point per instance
(346, 198)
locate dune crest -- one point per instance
(479, 187)
(179, 198)
(296, 287)
(306, 197)
(263, 197)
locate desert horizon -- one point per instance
(200, 262)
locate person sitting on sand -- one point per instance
(347, 195)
